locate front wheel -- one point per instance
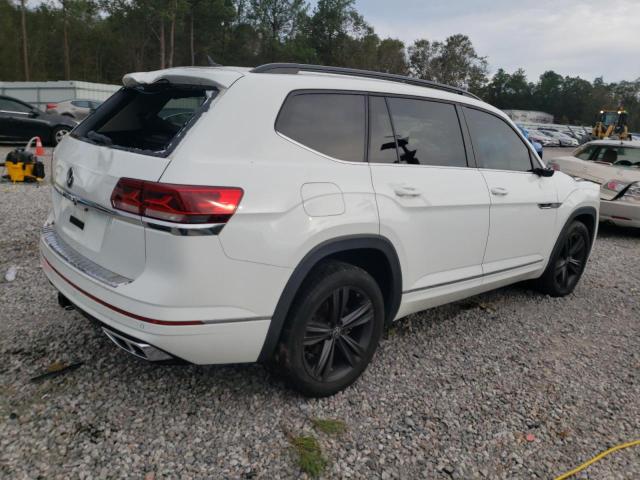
(333, 329)
(567, 262)
(58, 134)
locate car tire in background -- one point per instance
(567, 261)
(332, 330)
(58, 133)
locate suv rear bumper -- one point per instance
(200, 334)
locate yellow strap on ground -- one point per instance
(600, 456)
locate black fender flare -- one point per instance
(310, 260)
(578, 212)
(590, 211)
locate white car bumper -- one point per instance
(210, 328)
(620, 213)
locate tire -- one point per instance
(567, 261)
(339, 311)
(58, 133)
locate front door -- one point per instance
(523, 204)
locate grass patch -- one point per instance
(310, 457)
(329, 426)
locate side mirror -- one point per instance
(543, 172)
(33, 114)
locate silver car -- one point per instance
(77, 109)
(615, 166)
(564, 139)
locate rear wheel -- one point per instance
(567, 261)
(333, 329)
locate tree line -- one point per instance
(100, 40)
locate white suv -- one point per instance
(290, 212)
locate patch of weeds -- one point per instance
(329, 426)
(310, 459)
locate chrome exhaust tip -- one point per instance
(136, 347)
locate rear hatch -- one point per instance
(133, 134)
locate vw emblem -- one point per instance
(70, 177)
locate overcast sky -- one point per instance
(586, 38)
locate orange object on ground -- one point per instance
(39, 148)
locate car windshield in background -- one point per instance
(145, 118)
(620, 156)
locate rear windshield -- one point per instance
(149, 119)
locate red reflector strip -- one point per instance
(124, 312)
(620, 218)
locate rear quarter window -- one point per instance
(330, 123)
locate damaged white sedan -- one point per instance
(615, 166)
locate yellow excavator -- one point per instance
(612, 124)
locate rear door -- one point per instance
(431, 203)
(523, 204)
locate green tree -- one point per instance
(392, 57)
(278, 21)
(453, 62)
(332, 24)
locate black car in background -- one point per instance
(20, 121)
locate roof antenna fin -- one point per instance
(212, 63)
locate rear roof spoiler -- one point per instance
(220, 78)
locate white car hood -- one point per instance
(596, 172)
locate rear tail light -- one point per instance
(51, 106)
(176, 203)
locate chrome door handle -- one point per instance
(501, 191)
(406, 191)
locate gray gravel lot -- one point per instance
(510, 384)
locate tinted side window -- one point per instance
(331, 123)
(428, 133)
(11, 106)
(495, 143)
(382, 143)
(584, 152)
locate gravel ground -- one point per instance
(510, 384)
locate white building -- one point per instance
(530, 116)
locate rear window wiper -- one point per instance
(99, 138)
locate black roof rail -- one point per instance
(293, 68)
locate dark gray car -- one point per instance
(20, 121)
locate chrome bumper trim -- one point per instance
(52, 240)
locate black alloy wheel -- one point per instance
(338, 334)
(571, 260)
(332, 330)
(567, 262)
